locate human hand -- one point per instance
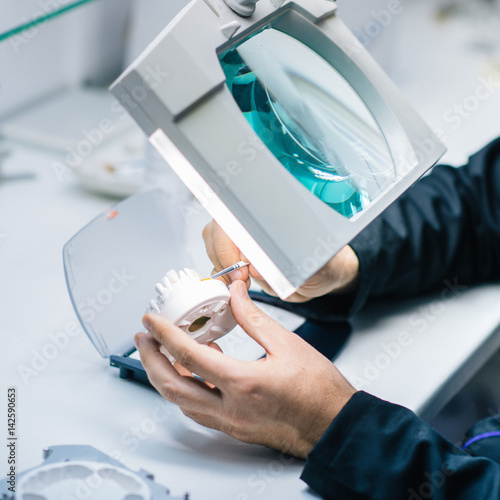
(339, 275)
(285, 401)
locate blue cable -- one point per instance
(481, 436)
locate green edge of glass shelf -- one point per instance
(43, 18)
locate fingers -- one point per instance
(223, 252)
(258, 325)
(182, 371)
(208, 363)
(203, 419)
(215, 346)
(186, 373)
(254, 273)
(187, 392)
(265, 287)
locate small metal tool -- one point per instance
(229, 269)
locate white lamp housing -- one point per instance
(281, 124)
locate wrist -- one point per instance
(332, 406)
(345, 271)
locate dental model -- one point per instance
(198, 306)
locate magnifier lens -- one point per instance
(310, 118)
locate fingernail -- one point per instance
(136, 341)
(242, 290)
(147, 323)
(236, 275)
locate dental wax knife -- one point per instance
(229, 269)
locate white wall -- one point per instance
(376, 24)
(91, 43)
(83, 45)
(148, 18)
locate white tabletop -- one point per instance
(67, 393)
(417, 352)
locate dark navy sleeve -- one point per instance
(443, 232)
(380, 451)
(445, 229)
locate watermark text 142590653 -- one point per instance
(11, 438)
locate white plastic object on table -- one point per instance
(199, 307)
(54, 480)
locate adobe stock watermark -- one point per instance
(419, 321)
(56, 343)
(492, 423)
(97, 481)
(210, 190)
(132, 438)
(137, 434)
(92, 306)
(247, 151)
(234, 340)
(44, 9)
(429, 313)
(486, 87)
(434, 480)
(93, 137)
(373, 368)
(323, 251)
(152, 77)
(260, 480)
(370, 31)
(59, 341)
(422, 150)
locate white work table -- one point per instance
(416, 352)
(68, 394)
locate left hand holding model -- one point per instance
(285, 401)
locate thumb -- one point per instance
(257, 324)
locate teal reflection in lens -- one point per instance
(291, 147)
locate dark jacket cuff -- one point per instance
(317, 472)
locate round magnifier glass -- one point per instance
(310, 118)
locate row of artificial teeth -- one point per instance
(170, 285)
